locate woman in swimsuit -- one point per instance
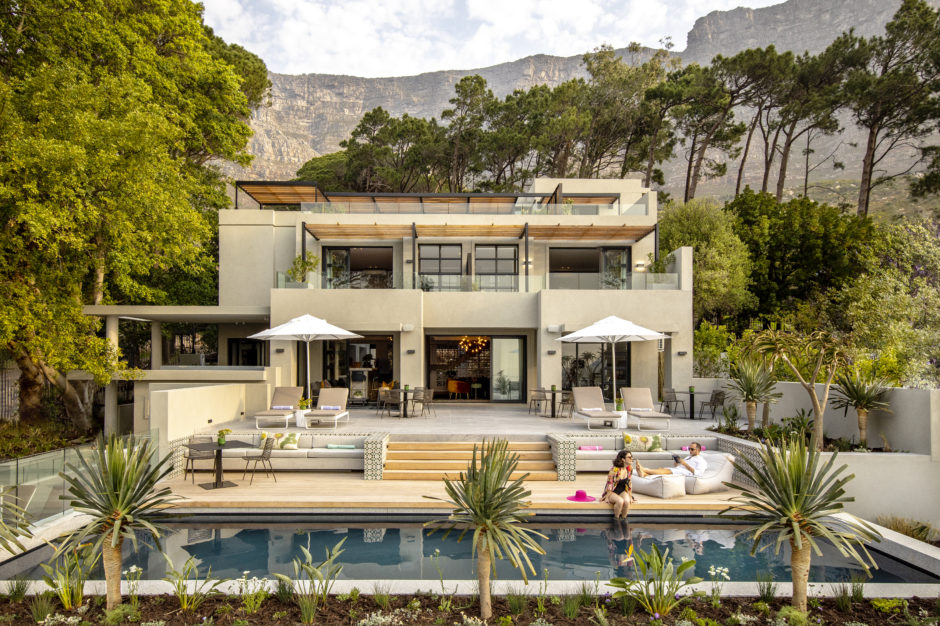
(618, 491)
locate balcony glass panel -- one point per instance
(639, 207)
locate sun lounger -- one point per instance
(589, 406)
(331, 407)
(283, 403)
(638, 403)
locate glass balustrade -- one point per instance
(638, 208)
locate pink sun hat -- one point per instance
(581, 496)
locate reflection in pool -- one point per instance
(405, 551)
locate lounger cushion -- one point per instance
(273, 413)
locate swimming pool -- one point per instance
(406, 551)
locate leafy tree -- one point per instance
(110, 115)
(117, 488)
(796, 499)
(720, 260)
(812, 358)
(487, 500)
(506, 157)
(799, 248)
(566, 120)
(893, 95)
(327, 171)
(465, 128)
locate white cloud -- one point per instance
(403, 37)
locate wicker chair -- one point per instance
(264, 458)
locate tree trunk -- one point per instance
(864, 185)
(799, 566)
(111, 560)
(747, 148)
(78, 397)
(818, 434)
(688, 170)
(784, 161)
(483, 578)
(863, 426)
(31, 383)
(765, 418)
(751, 409)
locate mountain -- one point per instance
(310, 114)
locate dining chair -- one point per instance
(671, 401)
(191, 456)
(537, 398)
(264, 458)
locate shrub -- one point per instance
(766, 587)
(659, 583)
(570, 606)
(518, 601)
(190, 600)
(40, 607)
(16, 588)
(793, 616)
(889, 605)
(842, 597)
(120, 614)
(922, 531)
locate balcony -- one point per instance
(638, 208)
(494, 283)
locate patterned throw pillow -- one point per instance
(289, 442)
(633, 443)
(656, 444)
(264, 435)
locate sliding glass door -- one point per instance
(508, 363)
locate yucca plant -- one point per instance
(117, 487)
(486, 501)
(797, 498)
(862, 392)
(752, 382)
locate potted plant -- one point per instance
(862, 392)
(301, 266)
(220, 439)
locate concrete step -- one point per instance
(451, 455)
(462, 445)
(433, 474)
(444, 464)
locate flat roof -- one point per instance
(294, 192)
(192, 314)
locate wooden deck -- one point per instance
(311, 492)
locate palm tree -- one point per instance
(486, 501)
(797, 498)
(752, 382)
(862, 392)
(117, 487)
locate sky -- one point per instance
(373, 38)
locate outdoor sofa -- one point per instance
(314, 452)
(595, 453)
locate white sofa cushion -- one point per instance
(720, 469)
(335, 453)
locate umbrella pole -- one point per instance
(307, 343)
(613, 371)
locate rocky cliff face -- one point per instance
(310, 114)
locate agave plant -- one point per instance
(485, 501)
(863, 393)
(117, 487)
(796, 499)
(752, 382)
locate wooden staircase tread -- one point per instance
(460, 455)
(462, 445)
(438, 475)
(458, 465)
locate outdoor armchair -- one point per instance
(331, 407)
(283, 403)
(589, 406)
(638, 403)
(715, 401)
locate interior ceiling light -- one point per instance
(472, 344)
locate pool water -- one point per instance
(407, 551)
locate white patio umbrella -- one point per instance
(612, 330)
(305, 328)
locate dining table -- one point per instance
(691, 394)
(206, 446)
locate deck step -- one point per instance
(462, 445)
(452, 455)
(433, 474)
(460, 465)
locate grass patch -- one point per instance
(18, 439)
(922, 531)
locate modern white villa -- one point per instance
(465, 294)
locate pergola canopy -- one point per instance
(560, 232)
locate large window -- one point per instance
(589, 268)
(497, 268)
(358, 268)
(439, 267)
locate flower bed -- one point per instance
(353, 609)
